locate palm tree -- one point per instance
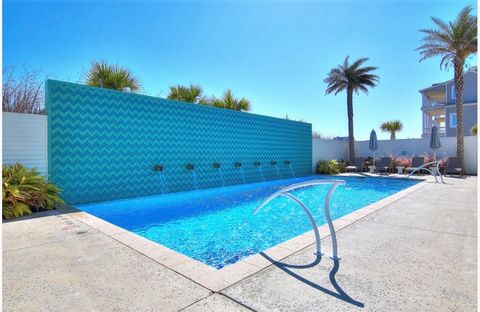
(393, 127)
(228, 101)
(192, 94)
(110, 76)
(351, 78)
(454, 42)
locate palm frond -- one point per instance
(104, 75)
(454, 41)
(351, 76)
(229, 101)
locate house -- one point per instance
(438, 105)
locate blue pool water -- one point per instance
(217, 227)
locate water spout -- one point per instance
(159, 169)
(194, 177)
(260, 170)
(220, 172)
(289, 164)
(239, 165)
(243, 174)
(191, 168)
(274, 163)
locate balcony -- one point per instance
(427, 131)
(433, 104)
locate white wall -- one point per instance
(402, 147)
(25, 140)
(328, 149)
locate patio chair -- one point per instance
(416, 162)
(358, 166)
(454, 167)
(384, 165)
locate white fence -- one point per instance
(25, 140)
(323, 150)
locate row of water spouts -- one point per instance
(190, 167)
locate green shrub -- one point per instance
(328, 167)
(23, 189)
(341, 166)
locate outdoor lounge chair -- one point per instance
(454, 167)
(358, 166)
(416, 162)
(384, 165)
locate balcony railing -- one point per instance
(433, 104)
(441, 131)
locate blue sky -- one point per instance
(274, 53)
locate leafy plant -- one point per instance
(190, 94)
(229, 101)
(473, 131)
(402, 162)
(393, 127)
(454, 42)
(104, 75)
(328, 167)
(23, 189)
(351, 78)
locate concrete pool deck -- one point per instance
(417, 252)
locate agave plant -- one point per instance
(109, 76)
(393, 127)
(191, 94)
(229, 101)
(23, 189)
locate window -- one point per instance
(453, 93)
(453, 120)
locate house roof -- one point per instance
(435, 85)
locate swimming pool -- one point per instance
(217, 227)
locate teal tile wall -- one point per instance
(104, 144)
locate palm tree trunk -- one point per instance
(351, 141)
(458, 77)
(392, 135)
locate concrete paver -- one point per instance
(416, 254)
(89, 272)
(413, 255)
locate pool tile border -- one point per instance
(216, 280)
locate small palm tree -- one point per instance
(351, 78)
(473, 131)
(454, 42)
(228, 101)
(109, 76)
(190, 94)
(393, 127)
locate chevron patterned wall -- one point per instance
(104, 144)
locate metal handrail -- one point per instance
(284, 192)
(434, 174)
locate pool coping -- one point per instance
(219, 279)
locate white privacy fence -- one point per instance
(324, 150)
(25, 140)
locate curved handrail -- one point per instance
(437, 167)
(310, 217)
(284, 192)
